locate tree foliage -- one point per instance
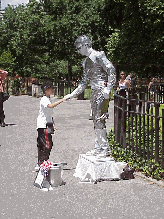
(40, 36)
(7, 61)
(137, 44)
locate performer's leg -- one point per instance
(105, 144)
(100, 127)
(99, 107)
(97, 140)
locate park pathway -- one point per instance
(136, 198)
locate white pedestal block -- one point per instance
(90, 168)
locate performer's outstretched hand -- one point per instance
(67, 97)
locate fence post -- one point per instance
(117, 125)
(157, 132)
(124, 122)
(162, 138)
(141, 98)
(152, 133)
(148, 150)
(144, 155)
(115, 116)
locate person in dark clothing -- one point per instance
(2, 115)
(151, 88)
(132, 79)
(132, 91)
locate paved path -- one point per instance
(20, 199)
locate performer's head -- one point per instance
(83, 44)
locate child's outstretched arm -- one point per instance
(52, 105)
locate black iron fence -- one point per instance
(139, 122)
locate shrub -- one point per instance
(148, 167)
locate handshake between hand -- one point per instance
(68, 96)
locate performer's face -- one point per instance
(81, 49)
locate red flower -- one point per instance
(17, 76)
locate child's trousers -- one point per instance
(44, 144)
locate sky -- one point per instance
(4, 3)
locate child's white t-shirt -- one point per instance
(45, 113)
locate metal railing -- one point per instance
(139, 123)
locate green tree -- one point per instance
(136, 44)
(7, 62)
(24, 34)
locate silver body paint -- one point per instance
(97, 70)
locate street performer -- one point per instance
(100, 73)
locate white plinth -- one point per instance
(90, 169)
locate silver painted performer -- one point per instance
(100, 73)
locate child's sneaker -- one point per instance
(37, 168)
(44, 189)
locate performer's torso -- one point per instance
(94, 71)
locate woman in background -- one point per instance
(124, 84)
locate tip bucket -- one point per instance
(55, 175)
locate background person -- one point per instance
(132, 79)
(124, 84)
(100, 72)
(133, 98)
(2, 115)
(151, 88)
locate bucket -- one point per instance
(55, 175)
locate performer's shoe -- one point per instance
(93, 152)
(103, 154)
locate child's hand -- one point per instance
(55, 128)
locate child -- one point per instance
(45, 117)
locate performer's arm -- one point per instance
(109, 68)
(79, 89)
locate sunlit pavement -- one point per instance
(136, 198)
